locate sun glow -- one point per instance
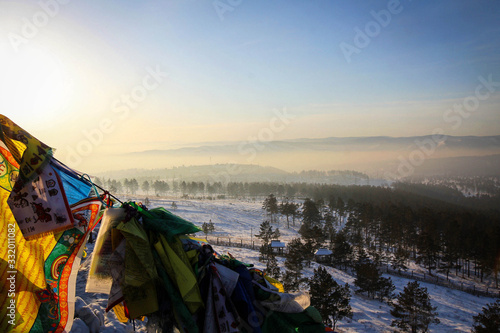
(34, 83)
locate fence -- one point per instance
(233, 242)
(473, 290)
(436, 280)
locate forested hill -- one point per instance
(405, 194)
(445, 194)
(242, 173)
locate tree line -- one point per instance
(392, 223)
(438, 236)
(362, 235)
(410, 192)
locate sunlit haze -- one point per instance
(98, 80)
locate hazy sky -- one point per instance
(138, 75)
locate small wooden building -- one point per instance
(323, 255)
(277, 246)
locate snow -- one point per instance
(277, 243)
(323, 252)
(240, 220)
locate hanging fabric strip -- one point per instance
(28, 151)
(20, 261)
(226, 316)
(41, 207)
(179, 270)
(75, 188)
(64, 261)
(9, 170)
(99, 279)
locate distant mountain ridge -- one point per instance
(376, 156)
(340, 143)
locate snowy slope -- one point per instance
(236, 218)
(455, 308)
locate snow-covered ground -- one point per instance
(240, 219)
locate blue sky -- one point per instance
(229, 71)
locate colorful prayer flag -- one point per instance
(40, 206)
(39, 275)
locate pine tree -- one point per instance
(328, 228)
(266, 234)
(367, 278)
(294, 211)
(413, 310)
(133, 185)
(211, 226)
(160, 187)
(308, 250)
(428, 246)
(310, 214)
(270, 205)
(385, 289)
(205, 227)
(126, 184)
(362, 257)
(342, 250)
(400, 258)
(340, 209)
(272, 268)
(370, 280)
(145, 187)
(208, 228)
(313, 239)
(311, 230)
(288, 209)
(293, 265)
(330, 298)
(488, 320)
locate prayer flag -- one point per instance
(39, 274)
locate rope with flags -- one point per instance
(143, 259)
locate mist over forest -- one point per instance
(385, 158)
